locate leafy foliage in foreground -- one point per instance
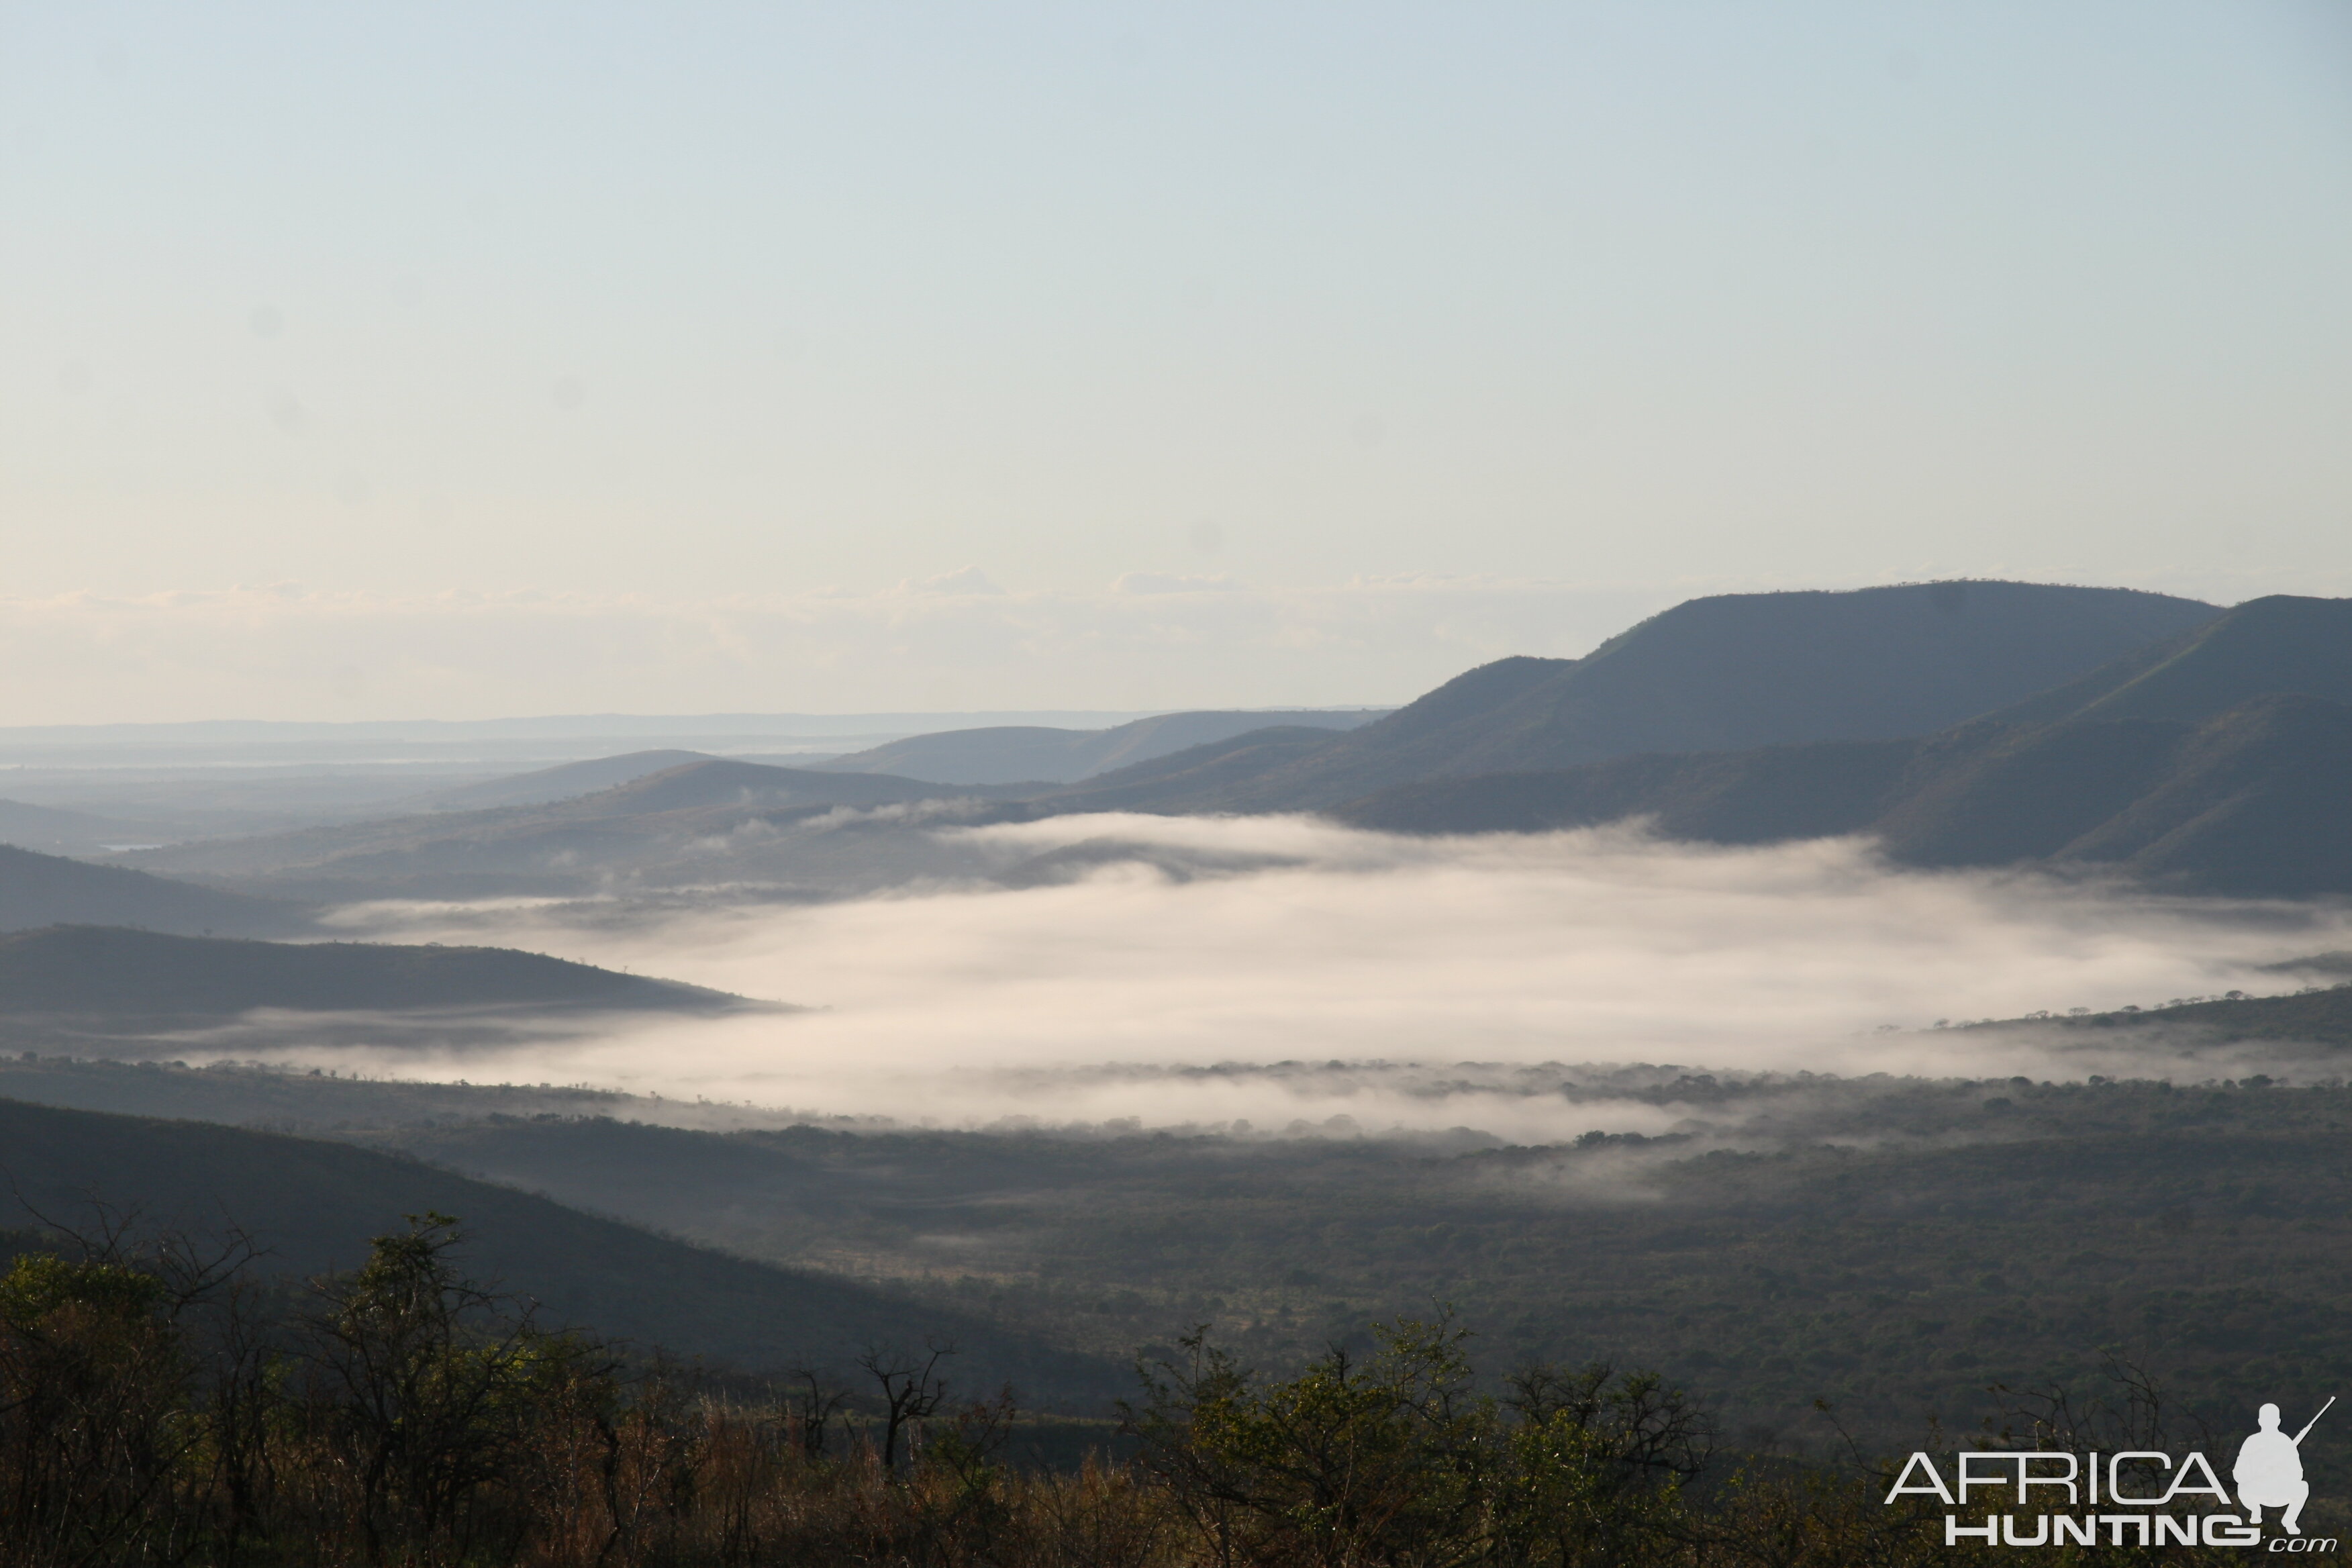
(157, 1408)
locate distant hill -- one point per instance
(1199, 778)
(47, 890)
(1734, 671)
(2281, 643)
(718, 781)
(713, 817)
(560, 783)
(109, 971)
(1016, 754)
(314, 1205)
(2320, 1016)
(2256, 800)
(2202, 765)
(59, 832)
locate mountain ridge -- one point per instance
(2248, 799)
(1034, 754)
(1729, 672)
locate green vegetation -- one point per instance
(155, 1407)
(1894, 1246)
(2317, 1015)
(313, 1205)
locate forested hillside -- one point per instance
(312, 1206)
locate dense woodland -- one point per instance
(1892, 1246)
(159, 1404)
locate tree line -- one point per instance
(160, 1403)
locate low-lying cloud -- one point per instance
(1370, 964)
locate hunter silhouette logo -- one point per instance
(2155, 1500)
(2269, 1471)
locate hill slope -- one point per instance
(57, 832)
(2283, 643)
(563, 782)
(1199, 778)
(2141, 772)
(706, 818)
(315, 1204)
(1735, 671)
(46, 889)
(106, 971)
(1015, 754)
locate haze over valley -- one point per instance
(1326, 787)
(1398, 960)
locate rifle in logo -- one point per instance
(2269, 1471)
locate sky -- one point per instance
(459, 361)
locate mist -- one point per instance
(1355, 975)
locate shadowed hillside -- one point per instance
(103, 970)
(46, 889)
(564, 782)
(1937, 1236)
(52, 831)
(315, 1204)
(2321, 1015)
(1199, 778)
(712, 819)
(1013, 754)
(2283, 643)
(2236, 782)
(1715, 674)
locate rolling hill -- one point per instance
(59, 832)
(711, 819)
(2209, 765)
(2317, 1015)
(2281, 643)
(314, 1205)
(563, 782)
(47, 890)
(1015, 754)
(110, 971)
(1716, 674)
(1208, 777)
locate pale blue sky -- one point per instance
(688, 303)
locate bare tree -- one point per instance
(910, 1386)
(813, 1405)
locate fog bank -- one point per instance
(1173, 945)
